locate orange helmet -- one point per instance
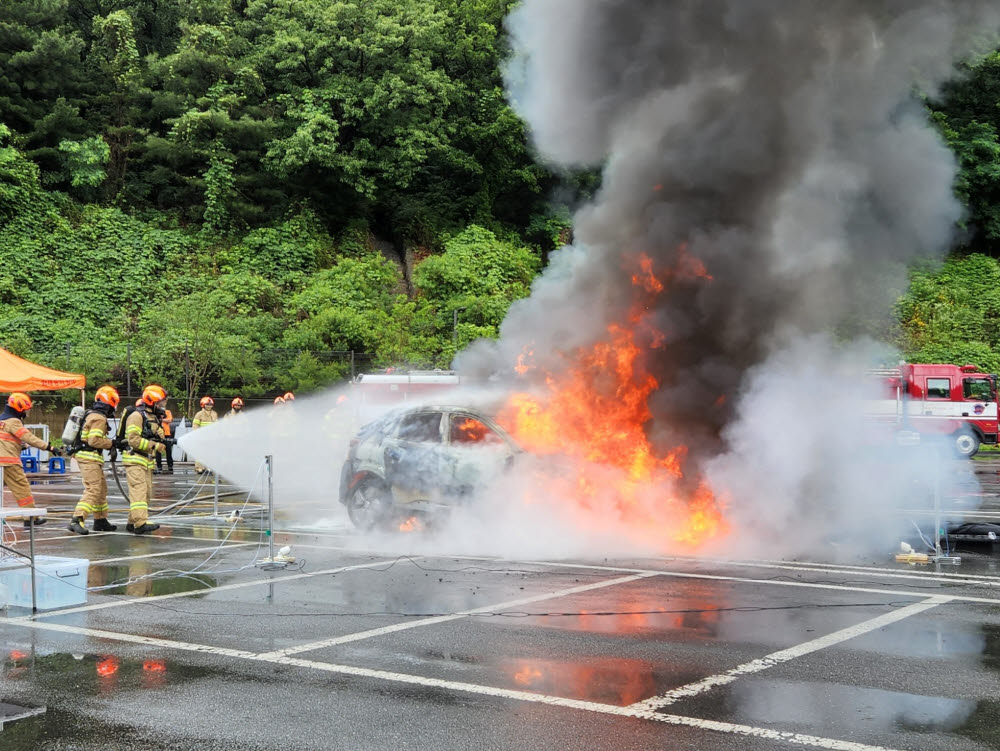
(19, 402)
(207, 401)
(237, 402)
(289, 396)
(108, 395)
(153, 394)
(138, 402)
(279, 400)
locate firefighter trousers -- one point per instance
(140, 491)
(95, 491)
(17, 483)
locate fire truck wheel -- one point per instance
(966, 444)
(369, 505)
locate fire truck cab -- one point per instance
(957, 402)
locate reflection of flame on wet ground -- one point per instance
(608, 680)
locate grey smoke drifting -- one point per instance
(779, 143)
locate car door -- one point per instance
(413, 457)
(474, 456)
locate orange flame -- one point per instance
(596, 412)
(522, 366)
(412, 524)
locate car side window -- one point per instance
(465, 430)
(424, 427)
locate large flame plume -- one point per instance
(595, 413)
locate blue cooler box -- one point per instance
(59, 582)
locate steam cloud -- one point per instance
(782, 145)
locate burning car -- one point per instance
(423, 460)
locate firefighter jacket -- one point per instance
(12, 435)
(141, 449)
(205, 417)
(94, 436)
(232, 413)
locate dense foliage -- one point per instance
(255, 196)
(250, 196)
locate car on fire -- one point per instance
(422, 461)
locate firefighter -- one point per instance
(95, 439)
(278, 400)
(142, 430)
(237, 408)
(206, 416)
(12, 435)
(289, 396)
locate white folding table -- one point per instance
(27, 513)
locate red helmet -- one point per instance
(237, 402)
(206, 401)
(153, 394)
(19, 402)
(108, 395)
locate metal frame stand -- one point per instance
(272, 562)
(939, 557)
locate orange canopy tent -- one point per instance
(17, 374)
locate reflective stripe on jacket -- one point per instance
(205, 417)
(94, 435)
(141, 449)
(12, 435)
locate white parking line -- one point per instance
(785, 655)
(468, 688)
(979, 581)
(774, 582)
(333, 641)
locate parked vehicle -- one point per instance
(956, 403)
(423, 460)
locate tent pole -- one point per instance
(83, 398)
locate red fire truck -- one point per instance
(957, 402)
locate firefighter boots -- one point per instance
(103, 525)
(77, 526)
(145, 529)
(39, 521)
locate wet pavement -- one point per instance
(184, 643)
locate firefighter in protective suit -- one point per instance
(206, 416)
(237, 409)
(145, 438)
(95, 440)
(12, 435)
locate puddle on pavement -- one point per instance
(59, 680)
(607, 680)
(92, 674)
(126, 574)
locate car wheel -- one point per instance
(368, 505)
(966, 444)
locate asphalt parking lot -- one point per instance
(372, 647)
